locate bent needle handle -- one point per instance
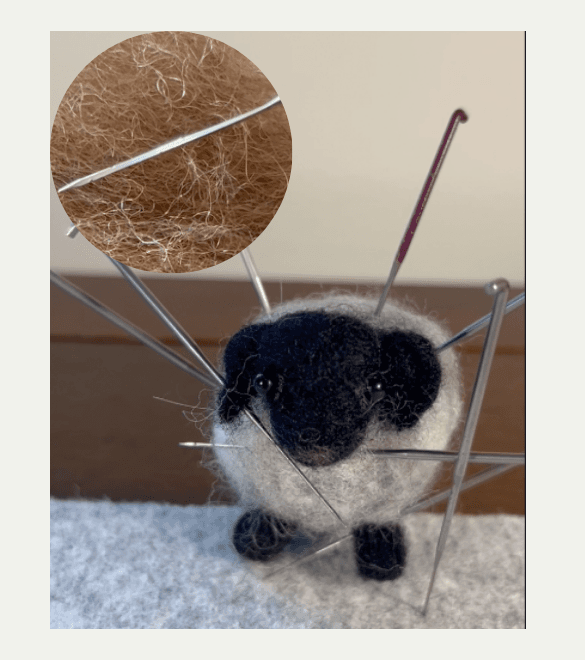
(459, 116)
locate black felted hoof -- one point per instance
(380, 551)
(260, 536)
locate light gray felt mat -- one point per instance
(163, 566)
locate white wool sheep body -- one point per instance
(363, 488)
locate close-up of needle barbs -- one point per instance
(161, 149)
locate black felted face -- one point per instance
(323, 377)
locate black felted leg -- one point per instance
(260, 536)
(380, 551)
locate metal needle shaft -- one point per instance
(255, 279)
(490, 458)
(479, 478)
(481, 323)
(168, 146)
(207, 445)
(499, 289)
(431, 455)
(310, 554)
(171, 323)
(459, 116)
(252, 417)
(152, 343)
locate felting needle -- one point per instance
(498, 288)
(174, 403)
(481, 323)
(255, 280)
(206, 445)
(170, 355)
(168, 146)
(194, 349)
(479, 478)
(481, 458)
(168, 320)
(313, 552)
(459, 116)
(496, 458)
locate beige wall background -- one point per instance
(367, 111)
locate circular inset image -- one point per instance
(171, 152)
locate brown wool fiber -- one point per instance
(193, 207)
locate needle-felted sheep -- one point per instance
(331, 381)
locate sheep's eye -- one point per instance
(375, 389)
(262, 383)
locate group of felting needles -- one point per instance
(500, 462)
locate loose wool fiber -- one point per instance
(193, 207)
(362, 488)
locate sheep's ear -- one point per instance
(411, 377)
(239, 360)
